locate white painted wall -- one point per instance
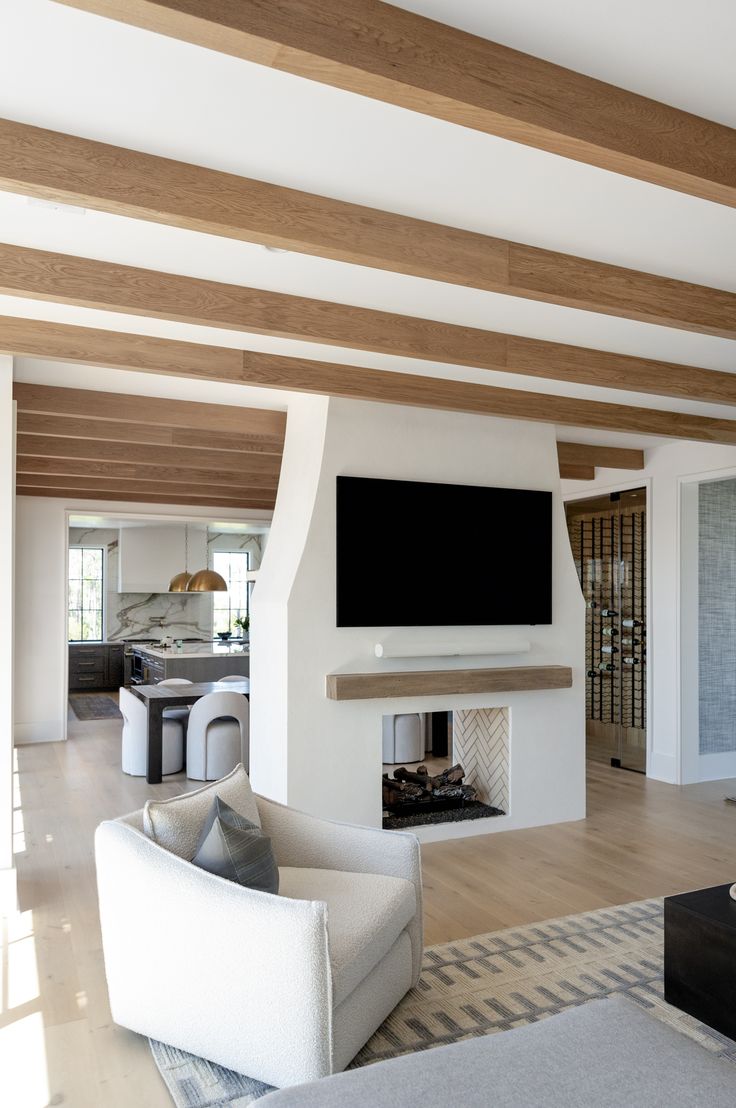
(40, 678)
(324, 756)
(7, 498)
(669, 467)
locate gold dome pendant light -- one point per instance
(180, 581)
(207, 580)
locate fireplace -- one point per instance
(463, 775)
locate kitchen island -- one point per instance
(197, 661)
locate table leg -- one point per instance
(155, 742)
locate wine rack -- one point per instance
(608, 541)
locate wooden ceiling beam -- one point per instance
(260, 424)
(609, 457)
(576, 472)
(71, 170)
(83, 492)
(110, 430)
(392, 55)
(236, 491)
(159, 473)
(302, 375)
(56, 446)
(95, 347)
(86, 282)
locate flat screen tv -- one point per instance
(419, 554)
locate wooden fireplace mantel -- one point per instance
(442, 682)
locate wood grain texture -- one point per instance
(263, 424)
(44, 275)
(95, 347)
(157, 472)
(225, 490)
(611, 457)
(56, 446)
(373, 686)
(72, 170)
(303, 375)
(388, 54)
(82, 492)
(576, 472)
(111, 430)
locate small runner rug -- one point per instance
(491, 983)
(95, 707)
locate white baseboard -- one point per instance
(716, 767)
(45, 731)
(663, 767)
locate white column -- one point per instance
(7, 530)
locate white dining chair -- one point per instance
(231, 677)
(135, 738)
(180, 714)
(218, 737)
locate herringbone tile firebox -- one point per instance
(481, 745)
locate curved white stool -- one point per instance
(218, 736)
(231, 677)
(180, 714)
(403, 738)
(135, 738)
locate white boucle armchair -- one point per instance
(282, 988)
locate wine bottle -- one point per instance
(606, 667)
(591, 604)
(611, 631)
(630, 642)
(609, 649)
(608, 612)
(630, 661)
(631, 623)
(592, 673)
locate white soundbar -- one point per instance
(428, 649)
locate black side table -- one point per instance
(700, 956)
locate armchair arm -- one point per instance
(228, 973)
(303, 840)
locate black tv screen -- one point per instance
(419, 554)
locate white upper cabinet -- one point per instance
(150, 556)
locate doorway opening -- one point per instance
(608, 535)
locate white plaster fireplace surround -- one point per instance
(324, 756)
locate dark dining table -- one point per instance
(159, 697)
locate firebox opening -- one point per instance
(441, 767)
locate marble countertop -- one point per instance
(208, 649)
(195, 650)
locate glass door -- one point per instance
(608, 539)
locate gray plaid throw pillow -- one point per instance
(233, 847)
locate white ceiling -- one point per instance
(80, 73)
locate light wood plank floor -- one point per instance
(641, 839)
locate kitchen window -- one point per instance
(233, 565)
(86, 579)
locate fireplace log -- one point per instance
(451, 776)
(404, 774)
(454, 792)
(398, 792)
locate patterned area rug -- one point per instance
(491, 983)
(95, 707)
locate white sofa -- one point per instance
(283, 988)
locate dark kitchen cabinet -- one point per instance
(95, 666)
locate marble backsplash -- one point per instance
(153, 615)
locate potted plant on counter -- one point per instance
(243, 624)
